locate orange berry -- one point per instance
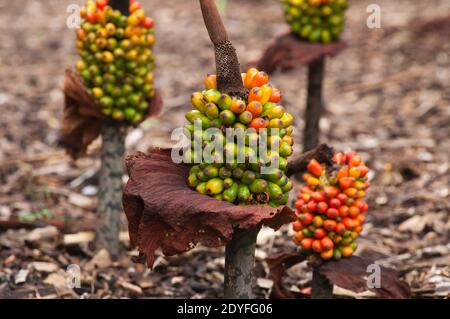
(327, 243)
(346, 182)
(267, 93)
(312, 181)
(297, 226)
(351, 192)
(317, 221)
(255, 108)
(354, 172)
(251, 73)
(358, 229)
(211, 82)
(326, 255)
(316, 246)
(298, 237)
(354, 211)
(361, 218)
(237, 106)
(346, 251)
(314, 167)
(255, 94)
(259, 80)
(306, 243)
(276, 96)
(348, 223)
(354, 161)
(343, 172)
(258, 123)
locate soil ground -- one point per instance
(387, 96)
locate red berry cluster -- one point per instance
(330, 208)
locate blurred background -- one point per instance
(387, 96)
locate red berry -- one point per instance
(342, 197)
(329, 224)
(340, 228)
(306, 218)
(318, 197)
(312, 206)
(319, 233)
(299, 204)
(332, 213)
(330, 191)
(297, 225)
(334, 203)
(344, 211)
(148, 23)
(346, 182)
(339, 159)
(322, 207)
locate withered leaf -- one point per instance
(349, 273)
(82, 118)
(278, 265)
(163, 212)
(288, 52)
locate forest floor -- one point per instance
(387, 96)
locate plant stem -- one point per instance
(321, 286)
(109, 205)
(239, 261)
(314, 104)
(240, 252)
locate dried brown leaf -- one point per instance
(163, 212)
(348, 273)
(82, 118)
(288, 52)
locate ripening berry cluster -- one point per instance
(117, 59)
(330, 207)
(234, 181)
(316, 20)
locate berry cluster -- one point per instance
(242, 182)
(117, 59)
(330, 208)
(316, 20)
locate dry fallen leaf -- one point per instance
(288, 51)
(163, 212)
